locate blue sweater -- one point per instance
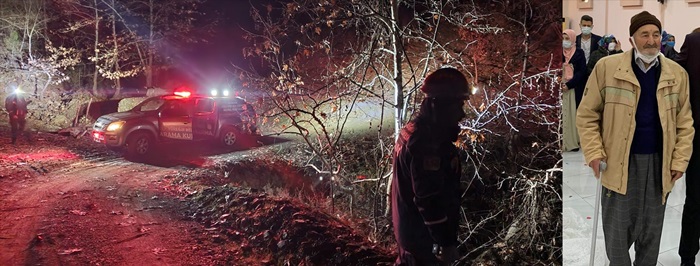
(647, 136)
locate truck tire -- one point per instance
(228, 136)
(139, 144)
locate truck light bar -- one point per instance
(185, 94)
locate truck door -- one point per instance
(175, 121)
(204, 118)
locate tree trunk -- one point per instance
(398, 73)
(398, 87)
(149, 64)
(97, 41)
(117, 68)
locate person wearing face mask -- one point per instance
(668, 49)
(689, 58)
(635, 116)
(606, 46)
(425, 190)
(573, 82)
(587, 41)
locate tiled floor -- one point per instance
(579, 201)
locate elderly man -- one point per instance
(635, 115)
(689, 58)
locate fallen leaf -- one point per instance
(70, 251)
(158, 251)
(77, 212)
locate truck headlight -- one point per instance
(114, 126)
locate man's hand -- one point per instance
(449, 255)
(675, 175)
(595, 165)
(564, 87)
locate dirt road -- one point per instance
(68, 201)
(65, 204)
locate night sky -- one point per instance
(209, 63)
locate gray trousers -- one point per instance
(636, 217)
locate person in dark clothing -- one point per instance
(575, 77)
(425, 196)
(606, 46)
(587, 41)
(16, 107)
(669, 50)
(689, 58)
(573, 72)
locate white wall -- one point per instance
(678, 17)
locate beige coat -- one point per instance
(610, 100)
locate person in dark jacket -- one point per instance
(16, 107)
(572, 75)
(573, 58)
(689, 58)
(425, 196)
(669, 50)
(606, 46)
(587, 41)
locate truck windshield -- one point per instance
(149, 104)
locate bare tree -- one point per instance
(126, 38)
(162, 25)
(29, 54)
(382, 49)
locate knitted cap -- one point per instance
(446, 82)
(642, 19)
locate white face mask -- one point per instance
(586, 30)
(611, 46)
(646, 58)
(566, 44)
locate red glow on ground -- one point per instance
(38, 155)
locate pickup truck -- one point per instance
(181, 116)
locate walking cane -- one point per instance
(598, 189)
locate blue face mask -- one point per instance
(670, 44)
